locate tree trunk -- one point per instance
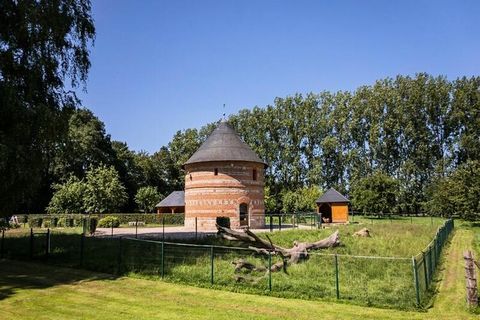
(296, 254)
(471, 279)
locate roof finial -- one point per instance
(224, 118)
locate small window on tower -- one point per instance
(216, 171)
(190, 177)
(254, 174)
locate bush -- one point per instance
(46, 224)
(35, 222)
(62, 222)
(67, 222)
(109, 222)
(223, 222)
(4, 225)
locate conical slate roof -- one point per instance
(332, 196)
(224, 144)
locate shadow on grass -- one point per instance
(16, 276)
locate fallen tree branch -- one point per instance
(296, 254)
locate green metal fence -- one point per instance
(380, 281)
(426, 262)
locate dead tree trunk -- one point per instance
(296, 254)
(471, 279)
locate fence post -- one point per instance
(211, 264)
(425, 270)
(196, 228)
(112, 230)
(47, 244)
(280, 222)
(415, 278)
(31, 243)
(271, 223)
(3, 245)
(337, 284)
(163, 260)
(471, 279)
(136, 228)
(119, 258)
(82, 245)
(163, 229)
(270, 271)
(430, 265)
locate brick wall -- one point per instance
(209, 195)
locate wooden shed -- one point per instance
(173, 203)
(333, 207)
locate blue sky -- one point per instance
(162, 66)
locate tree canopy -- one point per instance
(147, 197)
(44, 45)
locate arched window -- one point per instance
(215, 171)
(254, 174)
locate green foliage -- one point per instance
(108, 222)
(47, 224)
(44, 58)
(68, 197)
(301, 200)
(457, 193)
(415, 129)
(35, 222)
(62, 222)
(271, 205)
(147, 197)
(104, 190)
(375, 194)
(87, 145)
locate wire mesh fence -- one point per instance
(426, 262)
(279, 221)
(401, 282)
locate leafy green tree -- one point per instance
(104, 190)
(87, 145)
(147, 197)
(68, 197)
(301, 200)
(271, 205)
(43, 45)
(375, 194)
(458, 193)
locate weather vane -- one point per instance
(224, 112)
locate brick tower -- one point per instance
(224, 178)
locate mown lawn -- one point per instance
(36, 291)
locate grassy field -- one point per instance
(364, 281)
(39, 291)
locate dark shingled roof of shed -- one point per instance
(174, 199)
(224, 144)
(332, 196)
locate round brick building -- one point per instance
(224, 178)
